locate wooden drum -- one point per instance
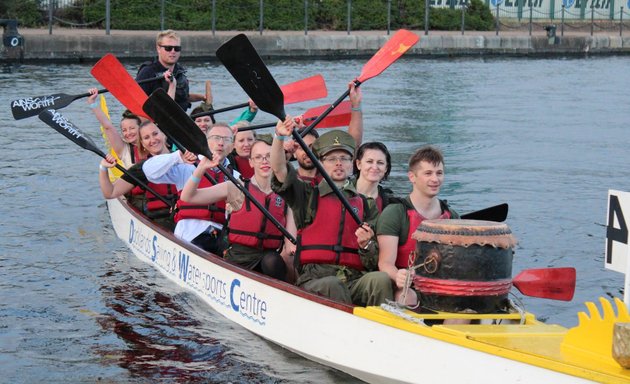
(464, 265)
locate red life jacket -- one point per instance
(414, 219)
(211, 212)
(251, 228)
(137, 190)
(330, 238)
(241, 164)
(136, 158)
(311, 180)
(135, 154)
(169, 191)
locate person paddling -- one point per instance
(153, 142)
(254, 242)
(201, 225)
(336, 256)
(125, 146)
(398, 221)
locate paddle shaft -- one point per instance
(60, 124)
(164, 111)
(105, 90)
(269, 125)
(328, 110)
(215, 111)
(382, 59)
(182, 149)
(20, 111)
(262, 209)
(326, 176)
(258, 126)
(144, 186)
(241, 59)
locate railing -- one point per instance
(517, 14)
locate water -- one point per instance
(546, 136)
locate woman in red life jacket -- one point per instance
(399, 220)
(125, 146)
(243, 141)
(255, 242)
(153, 142)
(371, 166)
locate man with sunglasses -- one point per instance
(168, 45)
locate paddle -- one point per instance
(311, 88)
(58, 122)
(208, 176)
(243, 62)
(112, 75)
(549, 283)
(32, 106)
(340, 117)
(395, 47)
(495, 213)
(172, 119)
(128, 92)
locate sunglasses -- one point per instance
(169, 48)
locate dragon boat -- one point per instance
(386, 344)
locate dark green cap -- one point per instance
(265, 137)
(332, 141)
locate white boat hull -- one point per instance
(317, 328)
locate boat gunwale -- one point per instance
(465, 340)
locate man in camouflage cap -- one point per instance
(335, 256)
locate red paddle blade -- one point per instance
(113, 76)
(311, 88)
(339, 117)
(548, 283)
(390, 52)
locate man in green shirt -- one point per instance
(398, 221)
(336, 257)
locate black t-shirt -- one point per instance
(150, 70)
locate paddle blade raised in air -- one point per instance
(173, 121)
(243, 62)
(58, 122)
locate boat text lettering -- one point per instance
(200, 280)
(31, 103)
(247, 304)
(165, 258)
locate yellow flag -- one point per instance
(114, 173)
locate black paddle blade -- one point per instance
(495, 213)
(59, 123)
(173, 121)
(243, 62)
(32, 106)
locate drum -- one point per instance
(464, 265)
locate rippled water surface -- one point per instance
(547, 136)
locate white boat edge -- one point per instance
(331, 334)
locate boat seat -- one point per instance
(535, 339)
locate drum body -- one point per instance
(466, 265)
